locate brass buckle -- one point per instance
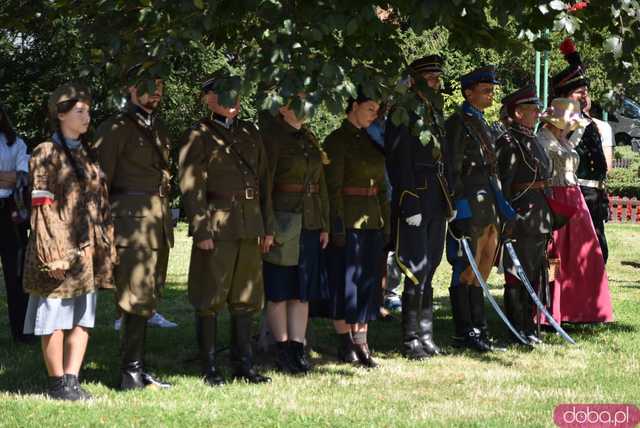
(249, 193)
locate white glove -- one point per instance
(414, 220)
(454, 213)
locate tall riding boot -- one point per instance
(133, 376)
(467, 336)
(476, 299)
(411, 346)
(426, 323)
(528, 324)
(513, 307)
(346, 349)
(241, 353)
(206, 332)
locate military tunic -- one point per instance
(525, 171)
(299, 188)
(133, 150)
(470, 162)
(224, 179)
(359, 223)
(413, 168)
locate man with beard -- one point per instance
(595, 147)
(418, 204)
(133, 150)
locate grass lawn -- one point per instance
(515, 388)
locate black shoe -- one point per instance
(58, 389)
(241, 352)
(298, 357)
(133, 376)
(346, 349)
(206, 331)
(473, 340)
(245, 371)
(364, 355)
(284, 358)
(425, 323)
(73, 384)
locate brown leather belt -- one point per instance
(249, 193)
(540, 184)
(296, 188)
(360, 191)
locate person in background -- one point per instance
(14, 182)
(71, 249)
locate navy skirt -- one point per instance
(305, 282)
(354, 273)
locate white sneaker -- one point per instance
(158, 320)
(117, 323)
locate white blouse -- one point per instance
(14, 158)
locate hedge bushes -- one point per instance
(625, 181)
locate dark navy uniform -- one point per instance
(415, 172)
(525, 172)
(471, 167)
(592, 170)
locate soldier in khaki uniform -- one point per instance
(133, 150)
(226, 193)
(360, 228)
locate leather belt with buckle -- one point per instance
(248, 194)
(297, 188)
(360, 191)
(592, 183)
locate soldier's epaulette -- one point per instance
(504, 138)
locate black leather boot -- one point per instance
(479, 320)
(241, 352)
(298, 356)
(58, 389)
(73, 384)
(411, 345)
(513, 307)
(133, 376)
(362, 350)
(346, 349)
(425, 323)
(528, 325)
(206, 332)
(467, 336)
(284, 358)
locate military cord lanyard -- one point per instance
(152, 139)
(240, 160)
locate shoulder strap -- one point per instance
(151, 137)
